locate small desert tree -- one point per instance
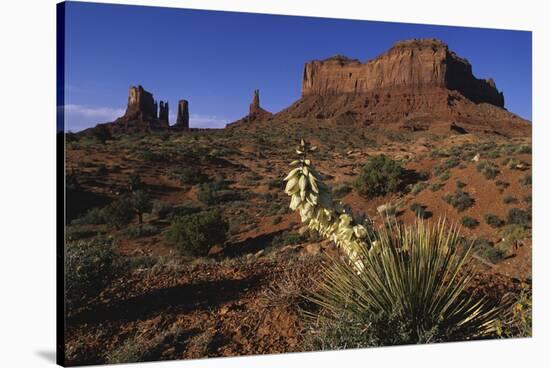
(141, 203)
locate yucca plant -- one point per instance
(412, 289)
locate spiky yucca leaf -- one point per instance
(416, 275)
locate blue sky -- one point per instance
(216, 59)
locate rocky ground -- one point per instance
(245, 297)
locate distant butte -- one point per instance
(417, 84)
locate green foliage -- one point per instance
(195, 234)
(459, 184)
(288, 238)
(518, 216)
(94, 216)
(216, 192)
(526, 180)
(486, 250)
(140, 231)
(101, 133)
(189, 175)
(90, 265)
(469, 222)
(413, 289)
(493, 220)
(488, 169)
(510, 199)
(341, 189)
(141, 202)
(418, 187)
(119, 213)
(419, 210)
(380, 176)
(434, 187)
(459, 200)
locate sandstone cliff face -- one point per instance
(409, 65)
(163, 113)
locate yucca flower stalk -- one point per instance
(313, 200)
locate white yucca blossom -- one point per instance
(313, 201)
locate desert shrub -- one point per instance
(101, 133)
(90, 265)
(341, 189)
(510, 199)
(459, 200)
(487, 251)
(288, 238)
(519, 321)
(419, 210)
(526, 180)
(418, 187)
(459, 184)
(469, 222)
(445, 166)
(216, 192)
(141, 203)
(168, 211)
(434, 187)
(193, 235)
(72, 234)
(524, 148)
(119, 213)
(380, 176)
(518, 216)
(148, 155)
(276, 183)
(140, 231)
(488, 169)
(189, 175)
(493, 220)
(94, 216)
(502, 184)
(409, 268)
(134, 182)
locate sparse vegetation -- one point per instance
(469, 222)
(517, 216)
(459, 200)
(90, 265)
(380, 176)
(488, 169)
(493, 220)
(193, 235)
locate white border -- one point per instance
(27, 87)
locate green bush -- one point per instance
(493, 220)
(195, 234)
(141, 202)
(189, 175)
(469, 222)
(90, 265)
(486, 250)
(419, 210)
(460, 184)
(510, 199)
(140, 231)
(459, 200)
(380, 176)
(488, 169)
(119, 213)
(288, 238)
(94, 216)
(526, 180)
(101, 133)
(518, 216)
(418, 187)
(409, 268)
(340, 190)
